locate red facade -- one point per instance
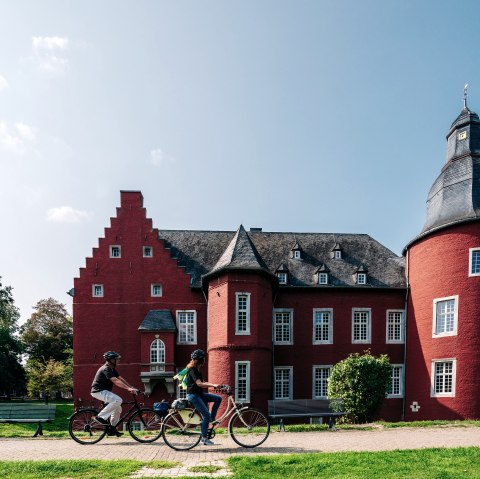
(112, 320)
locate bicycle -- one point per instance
(143, 424)
(247, 427)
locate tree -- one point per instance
(12, 377)
(359, 384)
(48, 377)
(48, 333)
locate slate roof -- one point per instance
(158, 320)
(202, 252)
(455, 195)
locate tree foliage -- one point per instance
(359, 384)
(48, 333)
(12, 374)
(48, 377)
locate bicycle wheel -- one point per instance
(145, 425)
(249, 428)
(181, 429)
(84, 429)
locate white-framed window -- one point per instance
(187, 327)
(337, 254)
(147, 251)
(443, 377)
(283, 326)
(322, 278)
(361, 325)
(97, 290)
(395, 326)
(115, 251)
(320, 381)
(157, 355)
(156, 290)
(323, 326)
(396, 384)
(283, 382)
(445, 316)
(474, 262)
(242, 381)
(282, 278)
(297, 254)
(361, 278)
(242, 313)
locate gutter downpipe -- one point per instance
(407, 256)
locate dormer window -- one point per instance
(282, 274)
(337, 251)
(115, 251)
(361, 278)
(322, 278)
(297, 254)
(361, 275)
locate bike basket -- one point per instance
(180, 404)
(161, 408)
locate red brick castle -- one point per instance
(276, 311)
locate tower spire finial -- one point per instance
(465, 94)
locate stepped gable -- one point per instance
(202, 252)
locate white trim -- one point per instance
(402, 327)
(362, 277)
(101, 290)
(330, 325)
(119, 251)
(319, 366)
(290, 383)
(369, 325)
(151, 252)
(178, 313)
(455, 317)
(470, 257)
(152, 290)
(401, 381)
(245, 332)
(322, 275)
(454, 377)
(282, 278)
(297, 254)
(337, 254)
(274, 322)
(247, 381)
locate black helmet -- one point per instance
(198, 354)
(109, 355)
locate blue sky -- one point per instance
(308, 116)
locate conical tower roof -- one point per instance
(240, 254)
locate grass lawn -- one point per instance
(457, 463)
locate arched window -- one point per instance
(157, 355)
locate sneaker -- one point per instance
(206, 442)
(105, 422)
(112, 431)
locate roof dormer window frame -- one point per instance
(361, 278)
(323, 278)
(297, 254)
(337, 254)
(282, 277)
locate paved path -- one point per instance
(277, 443)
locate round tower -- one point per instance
(443, 271)
(240, 296)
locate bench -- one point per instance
(27, 413)
(280, 409)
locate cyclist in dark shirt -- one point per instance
(199, 398)
(102, 386)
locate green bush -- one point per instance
(358, 385)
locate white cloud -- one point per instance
(50, 43)
(3, 83)
(49, 54)
(16, 138)
(67, 214)
(158, 157)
